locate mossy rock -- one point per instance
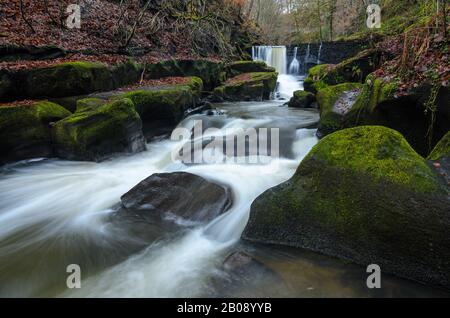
(68, 79)
(380, 104)
(96, 133)
(354, 69)
(248, 87)
(89, 104)
(163, 108)
(126, 73)
(209, 71)
(442, 149)
(331, 117)
(313, 82)
(162, 104)
(25, 132)
(363, 195)
(302, 99)
(240, 67)
(195, 84)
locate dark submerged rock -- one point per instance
(181, 197)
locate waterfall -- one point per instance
(318, 54)
(274, 56)
(294, 68)
(308, 53)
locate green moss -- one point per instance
(240, 67)
(88, 104)
(378, 151)
(95, 132)
(24, 130)
(330, 118)
(168, 104)
(302, 99)
(442, 149)
(68, 79)
(374, 92)
(195, 84)
(247, 86)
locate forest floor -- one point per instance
(104, 34)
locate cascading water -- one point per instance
(307, 55)
(319, 53)
(274, 56)
(294, 68)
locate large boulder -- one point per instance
(354, 69)
(99, 130)
(248, 87)
(180, 197)
(25, 131)
(421, 114)
(240, 67)
(334, 102)
(161, 109)
(66, 79)
(302, 99)
(364, 195)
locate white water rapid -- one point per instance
(55, 213)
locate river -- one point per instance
(54, 213)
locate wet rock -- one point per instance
(66, 79)
(364, 195)
(240, 67)
(180, 197)
(380, 104)
(334, 102)
(25, 130)
(98, 130)
(243, 275)
(354, 70)
(248, 87)
(302, 99)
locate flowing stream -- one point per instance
(54, 213)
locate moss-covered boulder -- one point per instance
(25, 132)
(334, 102)
(209, 71)
(66, 79)
(354, 69)
(364, 195)
(161, 109)
(313, 82)
(248, 87)
(421, 115)
(96, 132)
(302, 99)
(240, 67)
(126, 73)
(442, 149)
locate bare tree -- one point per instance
(22, 13)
